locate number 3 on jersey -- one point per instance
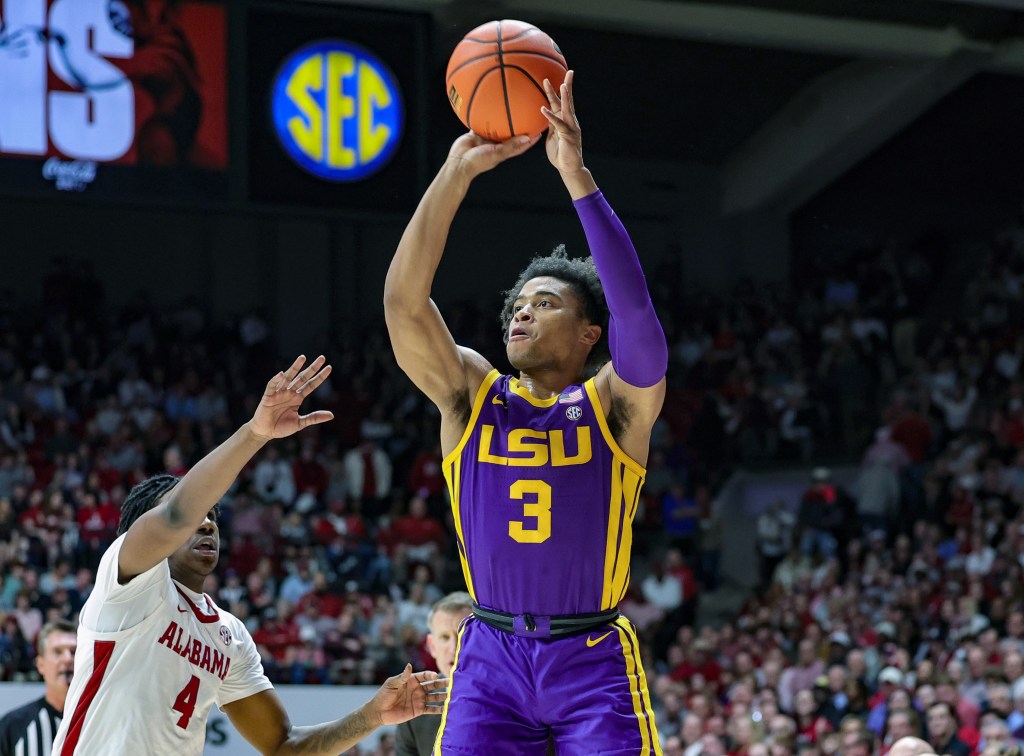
(540, 509)
(185, 703)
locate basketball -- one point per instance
(495, 78)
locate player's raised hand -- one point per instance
(564, 143)
(278, 415)
(476, 155)
(408, 695)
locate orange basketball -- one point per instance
(495, 78)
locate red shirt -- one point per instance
(914, 434)
(97, 522)
(329, 604)
(426, 473)
(417, 531)
(309, 475)
(277, 636)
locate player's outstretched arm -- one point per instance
(262, 720)
(635, 336)
(422, 343)
(159, 532)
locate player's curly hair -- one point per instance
(581, 276)
(144, 496)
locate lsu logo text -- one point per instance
(337, 110)
(534, 448)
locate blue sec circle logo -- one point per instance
(337, 110)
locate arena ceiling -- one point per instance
(784, 96)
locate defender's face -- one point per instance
(197, 557)
(546, 324)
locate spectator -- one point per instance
(900, 723)
(942, 726)
(368, 474)
(662, 590)
(273, 478)
(421, 538)
(774, 538)
(801, 677)
(819, 515)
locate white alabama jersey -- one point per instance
(153, 658)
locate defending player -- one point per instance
(544, 470)
(155, 653)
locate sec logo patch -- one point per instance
(573, 412)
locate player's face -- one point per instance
(444, 633)
(57, 662)
(197, 557)
(547, 326)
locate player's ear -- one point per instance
(591, 334)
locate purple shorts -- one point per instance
(507, 692)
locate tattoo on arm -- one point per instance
(331, 737)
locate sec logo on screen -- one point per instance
(337, 110)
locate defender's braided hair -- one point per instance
(142, 498)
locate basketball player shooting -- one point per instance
(155, 653)
(544, 469)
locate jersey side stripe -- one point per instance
(478, 403)
(452, 467)
(611, 546)
(625, 641)
(630, 486)
(454, 475)
(645, 704)
(101, 653)
(602, 422)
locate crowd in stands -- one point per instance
(890, 607)
(895, 606)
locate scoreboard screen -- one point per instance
(118, 98)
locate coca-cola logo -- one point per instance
(70, 175)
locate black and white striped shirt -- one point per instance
(29, 730)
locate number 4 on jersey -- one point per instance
(185, 703)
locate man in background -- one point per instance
(416, 737)
(32, 727)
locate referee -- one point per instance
(30, 730)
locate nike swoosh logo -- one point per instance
(183, 611)
(498, 400)
(591, 642)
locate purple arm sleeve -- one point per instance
(635, 337)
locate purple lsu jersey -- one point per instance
(543, 499)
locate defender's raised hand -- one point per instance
(278, 415)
